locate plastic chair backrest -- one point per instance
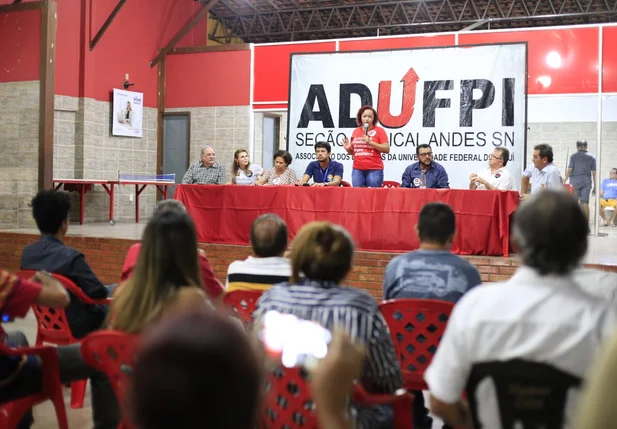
(569, 188)
(289, 404)
(345, 184)
(11, 412)
(390, 184)
(529, 394)
(114, 354)
(243, 303)
(416, 326)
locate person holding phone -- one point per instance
(321, 258)
(368, 142)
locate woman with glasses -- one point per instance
(425, 173)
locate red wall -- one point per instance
(577, 49)
(208, 79)
(609, 58)
(575, 71)
(20, 46)
(80, 72)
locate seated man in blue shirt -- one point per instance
(431, 272)
(425, 173)
(324, 171)
(50, 210)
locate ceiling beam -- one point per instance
(106, 24)
(201, 14)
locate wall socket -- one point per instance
(131, 197)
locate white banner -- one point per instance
(128, 113)
(463, 101)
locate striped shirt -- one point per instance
(356, 312)
(257, 273)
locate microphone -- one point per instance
(365, 126)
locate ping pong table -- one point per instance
(161, 181)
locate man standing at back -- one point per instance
(268, 266)
(431, 272)
(582, 174)
(50, 210)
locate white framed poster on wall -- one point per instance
(128, 113)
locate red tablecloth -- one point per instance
(381, 219)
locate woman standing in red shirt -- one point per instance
(368, 142)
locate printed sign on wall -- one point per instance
(464, 101)
(128, 113)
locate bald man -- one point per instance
(206, 171)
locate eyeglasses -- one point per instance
(494, 157)
(426, 154)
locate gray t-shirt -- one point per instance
(429, 274)
(582, 164)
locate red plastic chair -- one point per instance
(114, 354)
(569, 188)
(243, 303)
(12, 412)
(53, 328)
(345, 184)
(390, 184)
(289, 404)
(416, 327)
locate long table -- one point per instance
(380, 219)
(85, 185)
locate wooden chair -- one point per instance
(289, 404)
(114, 354)
(416, 327)
(12, 412)
(53, 327)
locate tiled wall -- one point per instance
(225, 128)
(19, 149)
(84, 148)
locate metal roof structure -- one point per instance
(264, 21)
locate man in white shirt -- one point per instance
(496, 177)
(543, 174)
(540, 315)
(268, 266)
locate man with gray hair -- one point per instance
(582, 174)
(537, 322)
(268, 266)
(206, 171)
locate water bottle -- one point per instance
(422, 180)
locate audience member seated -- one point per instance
(608, 198)
(267, 266)
(216, 376)
(50, 210)
(432, 272)
(212, 286)
(321, 258)
(166, 277)
(280, 174)
(539, 316)
(21, 377)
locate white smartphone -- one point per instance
(293, 341)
